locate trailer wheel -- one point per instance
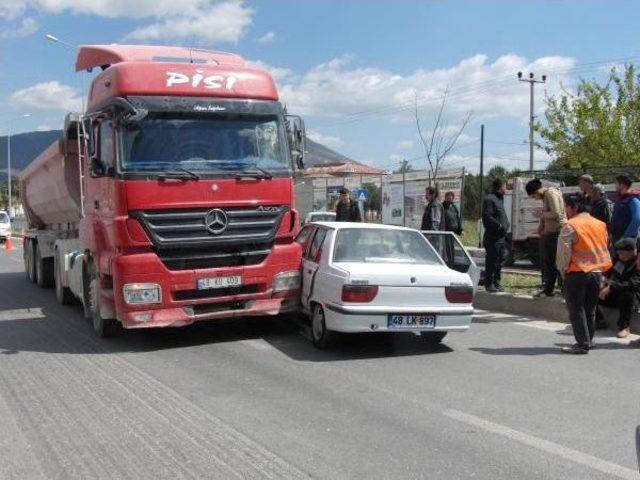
(63, 294)
(29, 262)
(102, 327)
(44, 270)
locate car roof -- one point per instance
(375, 226)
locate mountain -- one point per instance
(27, 146)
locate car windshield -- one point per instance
(4, 218)
(376, 245)
(165, 141)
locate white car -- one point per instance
(319, 217)
(5, 226)
(360, 277)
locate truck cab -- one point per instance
(184, 163)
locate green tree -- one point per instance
(598, 126)
(374, 197)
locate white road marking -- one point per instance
(258, 344)
(595, 463)
(21, 314)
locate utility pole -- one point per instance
(481, 197)
(532, 81)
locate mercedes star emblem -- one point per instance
(216, 221)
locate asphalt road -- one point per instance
(256, 400)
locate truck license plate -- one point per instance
(411, 321)
(219, 282)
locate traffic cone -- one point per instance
(8, 244)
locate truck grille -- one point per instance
(183, 241)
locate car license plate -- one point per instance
(219, 282)
(411, 321)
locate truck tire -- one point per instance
(63, 294)
(102, 327)
(44, 270)
(29, 262)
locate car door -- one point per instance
(453, 253)
(310, 266)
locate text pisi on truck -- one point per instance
(170, 200)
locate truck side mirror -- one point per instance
(297, 139)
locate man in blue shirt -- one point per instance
(625, 220)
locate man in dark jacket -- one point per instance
(625, 221)
(601, 206)
(496, 225)
(621, 288)
(347, 209)
(433, 216)
(452, 221)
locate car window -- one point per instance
(383, 246)
(4, 218)
(450, 249)
(316, 245)
(303, 238)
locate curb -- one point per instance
(544, 308)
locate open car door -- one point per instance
(453, 253)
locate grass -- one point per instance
(520, 284)
(469, 236)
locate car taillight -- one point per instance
(359, 293)
(459, 294)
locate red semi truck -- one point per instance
(171, 199)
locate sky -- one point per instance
(354, 69)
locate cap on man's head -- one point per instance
(626, 244)
(586, 177)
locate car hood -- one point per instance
(403, 274)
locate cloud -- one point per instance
(405, 145)
(47, 96)
(278, 73)
(326, 140)
(221, 22)
(268, 37)
(26, 27)
(44, 128)
(339, 91)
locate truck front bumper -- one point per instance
(182, 303)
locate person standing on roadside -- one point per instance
(347, 209)
(433, 216)
(496, 226)
(452, 222)
(625, 220)
(552, 218)
(582, 256)
(585, 184)
(601, 206)
(621, 289)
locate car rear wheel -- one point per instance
(320, 336)
(433, 338)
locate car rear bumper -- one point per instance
(354, 319)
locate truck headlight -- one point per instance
(141, 293)
(286, 281)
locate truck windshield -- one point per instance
(162, 142)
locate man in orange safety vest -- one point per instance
(581, 258)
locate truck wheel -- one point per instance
(102, 327)
(63, 294)
(433, 338)
(320, 336)
(44, 270)
(29, 262)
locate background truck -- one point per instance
(171, 199)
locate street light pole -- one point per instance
(54, 39)
(532, 81)
(10, 207)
